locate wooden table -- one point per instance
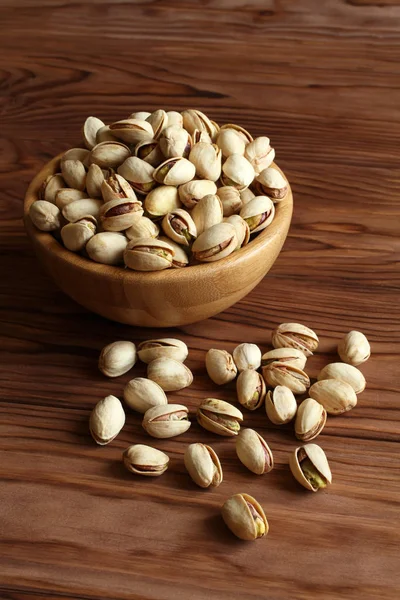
(322, 80)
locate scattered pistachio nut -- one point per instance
(180, 259)
(245, 517)
(247, 356)
(203, 465)
(220, 366)
(254, 452)
(150, 152)
(175, 171)
(219, 417)
(310, 467)
(115, 187)
(207, 159)
(237, 172)
(175, 142)
(138, 173)
(170, 374)
(336, 396)
(354, 348)
(231, 142)
(89, 131)
(117, 358)
(291, 356)
(250, 388)
(280, 405)
(79, 209)
(158, 119)
(295, 335)
(285, 374)
(109, 155)
(145, 460)
(166, 421)
(310, 420)
(230, 200)
(162, 348)
(132, 131)
(346, 373)
(106, 420)
(94, 180)
(140, 394)
(65, 196)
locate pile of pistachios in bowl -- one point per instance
(160, 190)
(271, 380)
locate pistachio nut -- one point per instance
(145, 460)
(106, 420)
(260, 154)
(310, 420)
(179, 226)
(107, 248)
(115, 187)
(193, 191)
(250, 388)
(150, 152)
(354, 348)
(242, 229)
(245, 517)
(207, 158)
(273, 184)
(109, 155)
(45, 215)
(215, 243)
(117, 358)
(310, 467)
(201, 136)
(161, 201)
(247, 356)
(132, 131)
(346, 373)
(158, 120)
(295, 379)
(138, 173)
(280, 405)
(207, 212)
(175, 141)
(78, 209)
(170, 374)
(295, 335)
(195, 119)
(175, 171)
(231, 142)
(180, 258)
(76, 235)
(166, 421)
(230, 198)
(174, 118)
(219, 417)
(335, 396)
(162, 348)
(104, 135)
(142, 227)
(203, 465)
(140, 394)
(237, 172)
(89, 131)
(291, 356)
(50, 186)
(121, 213)
(94, 179)
(81, 154)
(254, 452)
(148, 254)
(65, 196)
(141, 115)
(220, 366)
(258, 213)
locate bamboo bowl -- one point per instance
(167, 298)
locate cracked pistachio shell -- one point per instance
(65, 196)
(74, 174)
(162, 348)
(109, 155)
(291, 356)
(175, 141)
(246, 195)
(245, 517)
(219, 417)
(107, 247)
(161, 201)
(145, 460)
(346, 373)
(81, 154)
(207, 158)
(82, 208)
(295, 335)
(203, 465)
(260, 154)
(132, 131)
(117, 358)
(180, 258)
(207, 212)
(150, 152)
(273, 184)
(116, 187)
(195, 119)
(215, 243)
(175, 171)
(230, 198)
(220, 366)
(231, 142)
(138, 173)
(258, 213)
(250, 388)
(45, 215)
(201, 136)
(242, 229)
(120, 213)
(247, 356)
(94, 179)
(89, 131)
(148, 254)
(142, 227)
(159, 121)
(50, 186)
(193, 191)
(104, 135)
(241, 131)
(237, 172)
(307, 459)
(310, 420)
(179, 226)
(354, 348)
(141, 115)
(174, 118)
(285, 374)
(76, 235)
(170, 374)
(166, 421)
(140, 394)
(106, 420)
(335, 396)
(280, 405)
(254, 452)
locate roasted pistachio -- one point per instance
(117, 358)
(219, 417)
(285, 374)
(109, 155)
(237, 172)
(89, 131)
(179, 226)
(139, 173)
(94, 179)
(231, 142)
(174, 171)
(250, 388)
(247, 356)
(115, 187)
(107, 247)
(145, 460)
(140, 394)
(346, 373)
(74, 174)
(195, 119)
(215, 243)
(273, 184)
(245, 517)
(193, 191)
(132, 131)
(254, 452)
(242, 229)
(79, 209)
(258, 213)
(104, 135)
(140, 115)
(119, 214)
(260, 154)
(148, 254)
(158, 120)
(170, 374)
(203, 465)
(161, 201)
(280, 405)
(76, 235)
(241, 131)
(166, 421)
(310, 420)
(174, 142)
(174, 118)
(354, 348)
(207, 212)
(142, 227)
(220, 366)
(150, 152)
(81, 154)
(180, 258)
(335, 396)
(162, 348)
(106, 420)
(310, 467)
(207, 160)
(246, 195)
(295, 335)
(291, 356)
(65, 196)
(230, 199)
(45, 215)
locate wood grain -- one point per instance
(321, 79)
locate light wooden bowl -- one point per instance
(164, 298)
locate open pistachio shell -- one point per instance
(250, 388)
(132, 131)
(179, 226)
(242, 229)
(344, 372)
(180, 258)
(193, 191)
(119, 214)
(285, 374)
(140, 394)
(76, 235)
(254, 452)
(89, 131)
(280, 405)
(241, 131)
(162, 348)
(231, 142)
(79, 209)
(161, 201)
(150, 152)
(142, 227)
(203, 465)
(220, 366)
(175, 142)
(166, 421)
(310, 420)
(207, 158)
(237, 171)
(310, 467)
(139, 173)
(336, 396)
(247, 356)
(175, 171)
(45, 215)
(245, 517)
(115, 187)
(65, 196)
(145, 460)
(354, 348)
(148, 254)
(158, 121)
(81, 154)
(174, 118)
(246, 195)
(219, 417)
(170, 374)
(295, 335)
(273, 184)
(291, 356)
(260, 154)
(94, 180)
(109, 155)
(106, 420)
(258, 213)
(195, 119)
(104, 135)
(215, 243)
(230, 199)
(207, 212)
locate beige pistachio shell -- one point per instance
(132, 131)
(219, 417)
(245, 517)
(174, 118)
(193, 191)
(115, 187)
(142, 227)
(203, 465)
(148, 254)
(280, 405)
(179, 226)
(291, 356)
(79, 209)
(81, 154)
(260, 154)
(195, 119)
(201, 136)
(161, 201)
(162, 348)
(220, 366)
(207, 212)
(158, 120)
(45, 215)
(207, 158)
(139, 173)
(74, 174)
(106, 420)
(89, 131)
(76, 235)
(273, 184)
(175, 171)
(335, 396)
(310, 420)
(117, 358)
(145, 460)
(254, 452)
(237, 172)
(107, 248)
(250, 389)
(65, 196)
(109, 155)
(246, 195)
(175, 142)
(141, 115)
(215, 243)
(241, 131)
(180, 258)
(346, 373)
(166, 421)
(94, 179)
(285, 374)
(295, 335)
(231, 142)
(119, 214)
(247, 356)
(258, 213)
(242, 229)
(170, 374)
(50, 187)
(230, 199)
(140, 394)
(306, 458)
(104, 135)
(354, 348)
(150, 152)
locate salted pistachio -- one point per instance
(215, 243)
(193, 191)
(140, 394)
(258, 213)
(148, 254)
(219, 417)
(220, 366)
(280, 405)
(346, 373)
(310, 467)
(121, 213)
(291, 356)
(141, 115)
(241, 131)
(231, 142)
(260, 154)
(115, 187)
(76, 235)
(138, 173)
(81, 154)
(254, 452)
(174, 118)
(354, 348)
(179, 226)
(250, 388)
(201, 136)
(159, 121)
(89, 131)
(65, 196)
(175, 141)
(310, 420)
(117, 358)
(166, 421)
(207, 212)
(162, 348)
(50, 186)
(107, 248)
(142, 227)
(104, 135)
(145, 460)
(74, 174)
(106, 420)
(109, 155)
(94, 179)
(207, 158)
(335, 396)
(132, 131)
(237, 172)
(245, 517)
(150, 152)
(45, 215)
(242, 229)
(203, 465)
(174, 171)
(247, 356)
(295, 335)
(78, 209)
(246, 195)
(161, 201)
(295, 379)
(195, 119)
(230, 198)
(180, 258)
(170, 374)
(273, 184)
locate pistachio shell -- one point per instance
(215, 243)
(139, 173)
(273, 184)
(104, 135)
(241, 131)
(45, 215)
(107, 248)
(140, 394)
(242, 229)
(245, 517)
(145, 460)
(77, 210)
(74, 174)
(354, 348)
(65, 196)
(179, 226)
(89, 131)
(117, 358)
(174, 118)
(231, 142)
(250, 388)
(207, 160)
(335, 396)
(310, 420)
(207, 212)
(180, 258)
(346, 373)
(220, 366)
(150, 152)
(237, 171)
(203, 465)
(162, 348)
(132, 131)
(219, 417)
(230, 199)
(285, 374)
(115, 187)
(161, 201)
(174, 142)
(258, 213)
(315, 457)
(174, 171)
(142, 227)
(193, 191)
(166, 421)
(106, 420)
(170, 374)
(119, 214)
(141, 115)
(254, 452)
(260, 154)
(158, 120)
(81, 154)
(148, 254)
(195, 119)
(76, 235)
(94, 179)
(109, 155)
(247, 356)
(280, 405)
(246, 195)
(295, 335)
(291, 356)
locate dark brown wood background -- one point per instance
(322, 79)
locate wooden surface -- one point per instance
(322, 80)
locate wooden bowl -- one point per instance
(167, 298)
